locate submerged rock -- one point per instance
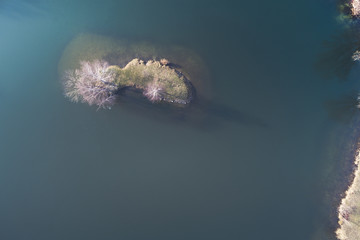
(349, 11)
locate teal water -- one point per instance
(259, 166)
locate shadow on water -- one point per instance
(344, 108)
(336, 59)
(201, 113)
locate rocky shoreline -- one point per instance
(348, 211)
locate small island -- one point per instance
(97, 69)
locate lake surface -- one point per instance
(259, 165)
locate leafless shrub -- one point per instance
(154, 92)
(91, 83)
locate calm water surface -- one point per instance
(256, 168)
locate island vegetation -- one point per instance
(98, 83)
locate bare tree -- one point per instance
(92, 83)
(154, 92)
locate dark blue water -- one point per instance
(255, 168)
